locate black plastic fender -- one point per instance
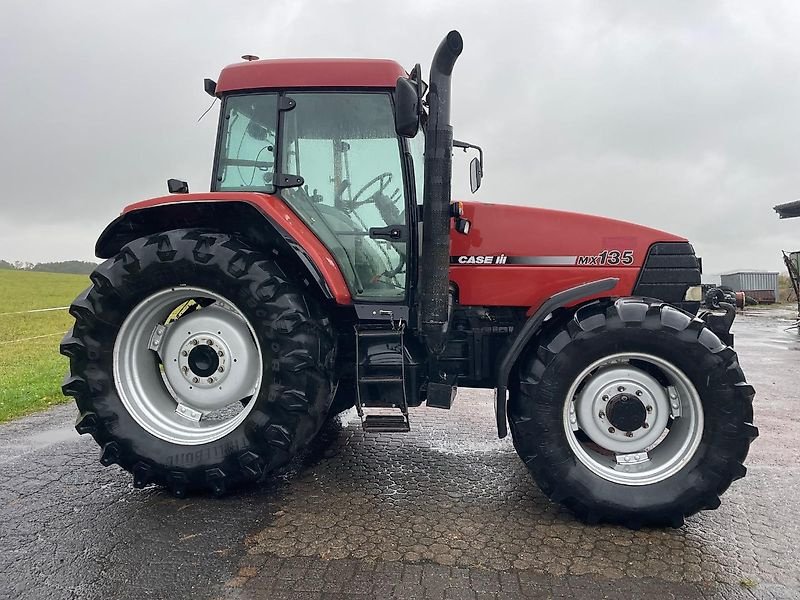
(527, 331)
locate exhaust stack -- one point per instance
(434, 272)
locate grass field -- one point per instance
(31, 369)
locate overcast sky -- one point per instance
(681, 115)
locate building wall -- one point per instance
(761, 285)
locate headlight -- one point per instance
(694, 293)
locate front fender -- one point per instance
(529, 329)
(261, 220)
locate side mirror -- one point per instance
(475, 165)
(475, 174)
(176, 186)
(406, 107)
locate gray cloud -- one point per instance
(677, 115)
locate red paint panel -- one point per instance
(529, 286)
(306, 72)
(283, 217)
(517, 231)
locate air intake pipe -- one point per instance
(435, 265)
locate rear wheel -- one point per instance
(632, 413)
(196, 363)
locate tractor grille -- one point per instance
(669, 270)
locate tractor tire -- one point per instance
(241, 380)
(634, 381)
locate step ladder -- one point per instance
(374, 412)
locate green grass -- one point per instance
(31, 369)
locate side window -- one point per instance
(247, 151)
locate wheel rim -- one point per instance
(633, 418)
(186, 364)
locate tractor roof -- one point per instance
(309, 72)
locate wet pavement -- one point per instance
(447, 511)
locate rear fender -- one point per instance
(292, 244)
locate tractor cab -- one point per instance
(338, 141)
(334, 156)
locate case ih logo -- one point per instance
(605, 258)
(481, 260)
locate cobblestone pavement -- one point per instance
(447, 511)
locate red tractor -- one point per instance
(328, 268)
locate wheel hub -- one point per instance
(209, 360)
(622, 408)
(626, 412)
(203, 360)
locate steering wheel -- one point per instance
(384, 178)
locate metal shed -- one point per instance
(761, 285)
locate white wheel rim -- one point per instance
(664, 422)
(185, 380)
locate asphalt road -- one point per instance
(447, 511)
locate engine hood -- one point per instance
(520, 256)
(526, 232)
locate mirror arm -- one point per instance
(466, 146)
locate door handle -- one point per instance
(395, 233)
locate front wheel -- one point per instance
(196, 363)
(632, 413)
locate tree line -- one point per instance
(80, 267)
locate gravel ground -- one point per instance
(446, 511)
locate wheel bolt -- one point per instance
(210, 342)
(649, 409)
(210, 380)
(221, 369)
(220, 353)
(193, 342)
(638, 392)
(628, 434)
(621, 388)
(185, 369)
(195, 380)
(184, 353)
(645, 425)
(602, 415)
(611, 430)
(605, 398)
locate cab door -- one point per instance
(344, 146)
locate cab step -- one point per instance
(386, 423)
(381, 378)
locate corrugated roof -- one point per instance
(740, 271)
(788, 210)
